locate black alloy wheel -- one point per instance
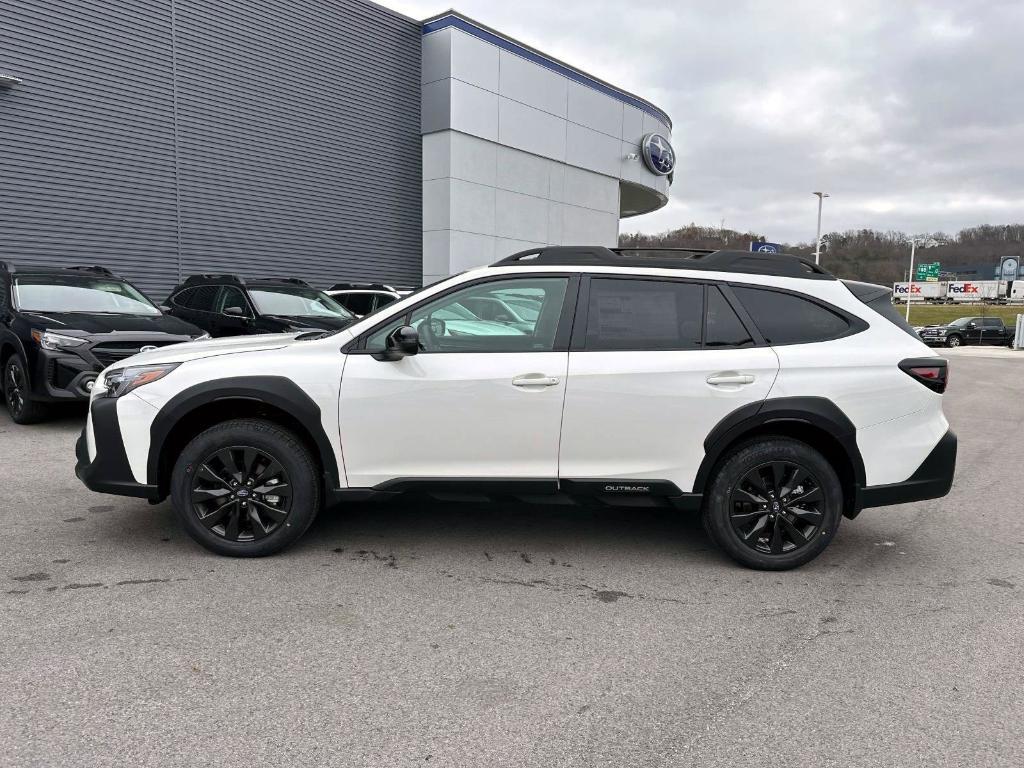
(16, 392)
(775, 508)
(241, 493)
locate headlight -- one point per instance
(54, 341)
(125, 380)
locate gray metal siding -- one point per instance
(248, 136)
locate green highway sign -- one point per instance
(927, 272)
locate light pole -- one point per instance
(910, 276)
(817, 240)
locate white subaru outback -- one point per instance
(756, 388)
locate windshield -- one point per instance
(89, 295)
(297, 302)
(960, 322)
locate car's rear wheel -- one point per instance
(774, 504)
(246, 488)
(16, 390)
(953, 341)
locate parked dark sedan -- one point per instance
(228, 305)
(60, 327)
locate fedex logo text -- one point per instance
(963, 288)
(900, 289)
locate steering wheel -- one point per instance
(431, 331)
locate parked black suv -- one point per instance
(61, 327)
(228, 305)
(988, 331)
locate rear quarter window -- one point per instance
(879, 298)
(783, 318)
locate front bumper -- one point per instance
(109, 471)
(932, 480)
(62, 377)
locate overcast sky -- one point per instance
(911, 115)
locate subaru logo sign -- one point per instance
(659, 156)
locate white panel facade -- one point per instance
(519, 154)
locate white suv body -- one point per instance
(623, 377)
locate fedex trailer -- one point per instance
(902, 292)
(966, 291)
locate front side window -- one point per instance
(784, 318)
(296, 302)
(625, 314)
(993, 322)
(450, 323)
(232, 297)
(85, 295)
(360, 303)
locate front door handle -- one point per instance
(718, 379)
(535, 380)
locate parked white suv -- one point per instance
(756, 388)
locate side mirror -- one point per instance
(234, 311)
(401, 342)
(972, 325)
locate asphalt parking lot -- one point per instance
(439, 634)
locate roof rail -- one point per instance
(211, 278)
(362, 287)
(92, 268)
(285, 280)
(779, 264)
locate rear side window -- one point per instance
(784, 318)
(644, 314)
(724, 328)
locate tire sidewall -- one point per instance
(731, 470)
(279, 443)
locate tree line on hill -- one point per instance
(863, 254)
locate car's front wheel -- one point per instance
(953, 341)
(774, 504)
(246, 488)
(16, 393)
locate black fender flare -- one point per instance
(818, 412)
(277, 391)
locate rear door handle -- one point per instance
(535, 380)
(717, 379)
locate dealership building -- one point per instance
(323, 139)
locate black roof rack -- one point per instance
(363, 287)
(779, 264)
(225, 279)
(213, 278)
(40, 269)
(92, 268)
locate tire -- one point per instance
(773, 539)
(954, 341)
(16, 393)
(246, 488)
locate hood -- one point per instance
(87, 324)
(195, 350)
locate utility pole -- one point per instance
(910, 276)
(817, 240)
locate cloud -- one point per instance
(910, 114)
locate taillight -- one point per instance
(933, 372)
